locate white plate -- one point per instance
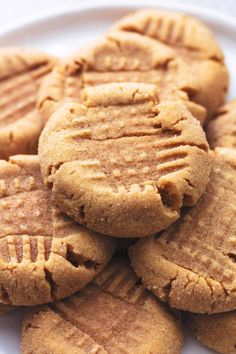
(63, 32)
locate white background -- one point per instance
(13, 11)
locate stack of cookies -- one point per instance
(124, 223)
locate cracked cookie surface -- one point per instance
(121, 163)
(44, 255)
(113, 314)
(191, 265)
(217, 331)
(221, 131)
(121, 57)
(21, 73)
(194, 43)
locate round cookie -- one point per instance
(44, 255)
(221, 131)
(121, 163)
(217, 331)
(191, 265)
(21, 73)
(194, 43)
(121, 57)
(114, 314)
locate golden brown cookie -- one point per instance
(191, 265)
(121, 57)
(229, 155)
(221, 131)
(194, 43)
(44, 255)
(217, 331)
(21, 72)
(114, 314)
(121, 163)
(4, 309)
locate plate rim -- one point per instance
(207, 14)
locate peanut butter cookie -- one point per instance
(192, 265)
(44, 255)
(194, 43)
(21, 72)
(221, 131)
(217, 331)
(229, 154)
(121, 163)
(121, 57)
(114, 314)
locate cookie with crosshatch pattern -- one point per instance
(21, 73)
(44, 255)
(121, 163)
(191, 265)
(194, 43)
(113, 314)
(121, 57)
